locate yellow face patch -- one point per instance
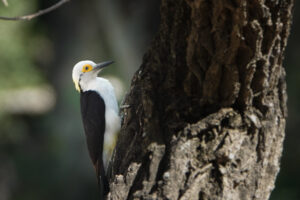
(87, 68)
(77, 86)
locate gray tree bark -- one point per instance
(205, 115)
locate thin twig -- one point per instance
(37, 14)
(5, 2)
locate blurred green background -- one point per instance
(42, 147)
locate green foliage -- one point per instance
(17, 68)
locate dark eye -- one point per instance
(86, 68)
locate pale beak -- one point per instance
(101, 65)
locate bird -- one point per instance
(99, 113)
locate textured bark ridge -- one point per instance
(206, 111)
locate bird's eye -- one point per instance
(87, 68)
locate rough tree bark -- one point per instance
(206, 111)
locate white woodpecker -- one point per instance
(99, 112)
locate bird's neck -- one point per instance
(94, 84)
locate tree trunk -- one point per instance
(205, 115)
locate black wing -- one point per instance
(93, 117)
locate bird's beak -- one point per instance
(101, 65)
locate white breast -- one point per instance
(112, 119)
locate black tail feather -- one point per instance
(102, 180)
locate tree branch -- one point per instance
(5, 2)
(37, 14)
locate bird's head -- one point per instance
(85, 71)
